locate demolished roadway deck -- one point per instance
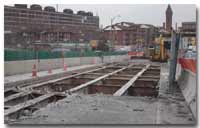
(109, 95)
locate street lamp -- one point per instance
(112, 33)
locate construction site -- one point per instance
(148, 86)
(124, 93)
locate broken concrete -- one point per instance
(104, 109)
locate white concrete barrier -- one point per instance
(20, 67)
(187, 81)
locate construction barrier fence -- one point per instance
(189, 64)
(15, 55)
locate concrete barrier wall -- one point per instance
(187, 81)
(20, 67)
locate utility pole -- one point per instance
(173, 57)
(57, 24)
(112, 30)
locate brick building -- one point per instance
(135, 35)
(188, 27)
(188, 33)
(23, 25)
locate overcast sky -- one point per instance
(137, 13)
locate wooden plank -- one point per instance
(95, 73)
(120, 75)
(10, 92)
(153, 77)
(27, 104)
(21, 94)
(86, 77)
(7, 107)
(123, 89)
(147, 80)
(154, 68)
(96, 80)
(11, 89)
(136, 68)
(109, 85)
(118, 78)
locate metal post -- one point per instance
(57, 34)
(173, 58)
(112, 30)
(111, 34)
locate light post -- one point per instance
(112, 33)
(57, 23)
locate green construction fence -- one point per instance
(15, 55)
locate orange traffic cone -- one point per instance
(49, 70)
(93, 61)
(34, 71)
(65, 67)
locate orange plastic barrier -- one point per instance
(189, 64)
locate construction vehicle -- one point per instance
(158, 51)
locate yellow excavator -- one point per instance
(158, 51)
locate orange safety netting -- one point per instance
(189, 64)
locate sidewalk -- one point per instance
(21, 77)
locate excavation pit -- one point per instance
(107, 81)
(62, 85)
(105, 89)
(32, 105)
(142, 91)
(10, 92)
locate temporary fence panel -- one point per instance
(11, 55)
